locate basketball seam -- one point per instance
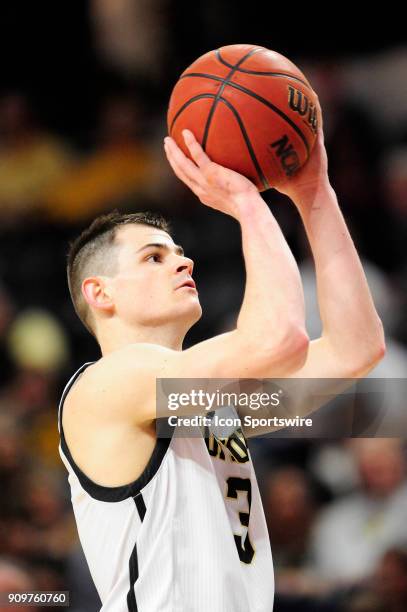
(248, 143)
(241, 125)
(258, 72)
(270, 105)
(220, 91)
(271, 74)
(187, 103)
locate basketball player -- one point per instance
(176, 524)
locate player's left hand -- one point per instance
(313, 175)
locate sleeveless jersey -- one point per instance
(189, 535)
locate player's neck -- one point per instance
(169, 336)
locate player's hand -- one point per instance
(216, 186)
(311, 177)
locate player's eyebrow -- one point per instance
(158, 245)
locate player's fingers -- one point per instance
(177, 159)
(178, 171)
(198, 154)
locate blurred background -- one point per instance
(83, 97)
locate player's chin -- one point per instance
(192, 309)
(198, 312)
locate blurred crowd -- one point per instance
(335, 508)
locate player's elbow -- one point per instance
(294, 349)
(287, 354)
(379, 346)
(377, 343)
(371, 361)
(372, 354)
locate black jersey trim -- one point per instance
(141, 506)
(112, 494)
(68, 387)
(133, 561)
(133, 573)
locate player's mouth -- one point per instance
(188, 283)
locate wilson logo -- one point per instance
(299, 103)
(286, 154)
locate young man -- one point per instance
(168, 524)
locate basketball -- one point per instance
(251, 109)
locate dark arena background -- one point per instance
(84, 90)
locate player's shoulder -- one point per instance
(121, 377)
(139, 356)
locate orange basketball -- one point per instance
(251, 109)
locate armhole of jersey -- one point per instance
(100, 492)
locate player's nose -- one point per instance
(186, 264)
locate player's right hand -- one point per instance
(216, 186)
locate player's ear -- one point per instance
(97, 293)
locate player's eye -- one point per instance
(155, 257)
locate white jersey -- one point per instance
(189, 535)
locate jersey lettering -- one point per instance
(244, 547)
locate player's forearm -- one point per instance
(349, 318)
(273, 305)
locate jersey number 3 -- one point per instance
(244, 547)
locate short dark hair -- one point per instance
(89, 253)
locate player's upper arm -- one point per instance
(123, 383)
